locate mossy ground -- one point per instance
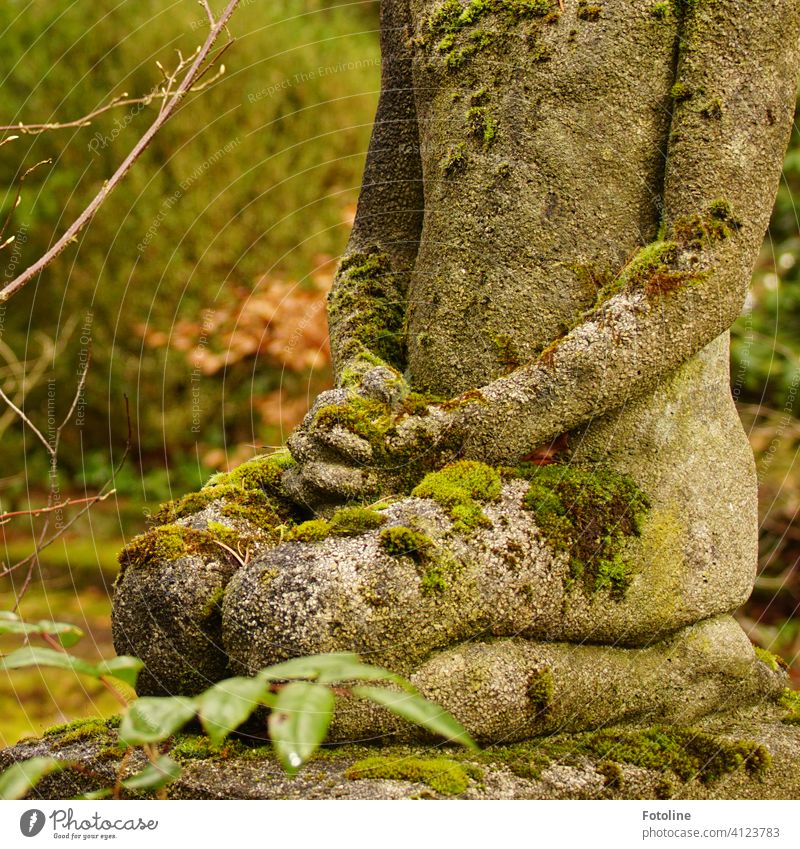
(680, 754)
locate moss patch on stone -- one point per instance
(345, 522)
(589, 11)
(252, 491)
(687, 752)
(170, 542)
(366, 307)
(680, 754)
(461, 488)
(775, 663)
(444, 776)
(589, 514)
(790, 701)
(400, 541)
(90, 728)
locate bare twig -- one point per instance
(69, 502)
(170, 107)
(31, 426)
(17, 200)
(204, 4)
(117, 102)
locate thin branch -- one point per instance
(204, 4)
(42, 544)
(17, 200)
(115, 103)
(86, 216)
(69, 502)
(75, 401)
(28, 422)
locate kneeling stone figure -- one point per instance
(530, 490)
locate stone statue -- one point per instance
(530, 490)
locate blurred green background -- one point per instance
(199, 290)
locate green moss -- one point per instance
(712, 109)
(444, 776)
(682, 754)
(589, 514)
(167, 543)
(506, 351)
(263, 472)
(681, 92)
(460, 488)
(775, 663)
(193, 747)
(399, 541)
(223, 533)
(366, 307)
(540, 691)
(482, 125)
(790, 700)
(377, 423)
(589, 11)
(252, 491)
(661, 11)
(455, 160)
(89, 728)
(688, 753)
(451, 27)
(345, 522)
(612, 773)
(433, 582)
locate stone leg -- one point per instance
(509, 690)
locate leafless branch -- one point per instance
(17, 199)
(170, 106)
(69, 502)
(26, 421)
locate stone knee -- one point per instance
(168, 595)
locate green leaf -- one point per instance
(155, 775)
(67, 634)
(35, 656)
(225, 706)
(330, 668)
(124, 667)
(420, 711)
(299, 722)
(96, 794)
(17, 780)
(152, 719)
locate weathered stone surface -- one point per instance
(504, 579)
(168, 612)
(514, 689)
(748, 756)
